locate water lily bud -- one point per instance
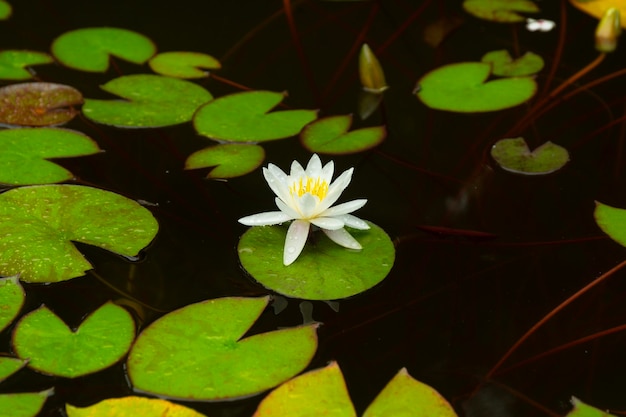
(608, 30)
(370, 71)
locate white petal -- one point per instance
(335, 189)
(265, 219)
(276, 179)
(294, 242)
(345, 208)
(284, 207)
(330, 223)
(314, 167)
(343, 238)
(353, 221)
(296, 171)
(307, 205)
(327, 172)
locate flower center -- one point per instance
(314, 186)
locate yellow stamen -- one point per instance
(313, 186)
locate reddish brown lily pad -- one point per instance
(38, 104)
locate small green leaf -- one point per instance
(38, 222)
(11, 300)
(230, 159)
(90, 49)
(13, 63)
(183, 64)
(152, 101)
(500, 10)
(24, 404)
(195, 353)
(52, 348)
(132, 407)
(330, 136)
(612, 221)
(23, 154)
(38, 104)
(324, 270)
(504, 66)
(321, 392)
(406, 396)
(463, 87)
(244, 117)
(5, 10)
(513, 155)
(9, 366)
(583, 410)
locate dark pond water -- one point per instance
(453, 304)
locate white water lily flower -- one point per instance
(306, 196)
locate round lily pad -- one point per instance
(11, 300)
(24, 404)
(230, 159)
(13, 64)
(503, 65)
(504, 11)
(182, 64)
(513, 155)
(5, 10)
(324, 270)
(132, 407)
(330, 135)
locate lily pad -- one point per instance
(11, 299)
(38, 222)
(513, 155)
(132, 407)
(13, 64)
(183, 64)
(102, 339)
(597, 8)
(5, 10)
(90, 49)
(463, 87)
(321, 392)
(38, 104)
(24, 404)
(503, 65)
(330, 136)
(612, 221)
(324, 270)
(230, 160)
(244, 117)
(24, 154)
(195, 353)
(151, 101)
(583, 410)
(9, 366)
(504, 11)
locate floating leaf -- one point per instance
(183, 64)
(153, 101)
(463, 87)
(5, 10)
(51, 347)
(406, 396)
(38, 104)
(330, 135)
(612, 221)
(371, 72)
(597, 8)
(24, 404)
(231, 159)
(132, 407)
(195, 353)
(503, 65)
(13, 63)
(90, 49)
(513, 155)
(38, 222)
(244, 117)
(583, 410)
(321, 392)
(500, 10)
(23, 154)
(9, 366)
(11, 300)
(324, 270)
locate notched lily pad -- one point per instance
(244, 117)
(182, 64)
(150, 101)
(24, 404)
(330, 135)
(14, 64)
(230, 160)
(90, 49)
(38, 104)
(463, 87)
(24, 154)
(612, 221)
(504, 11)
(132, 407)
(9, 366)
(503, 65)
(324, 270)
(513, 155)
(11, 300)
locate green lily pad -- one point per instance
(132, 407)
(500, 10)
(244, 117)
(51, 347)
(330, 136)
(9, 366)
(5, 10)
(612, 221)
(11, 300)
(195, 353)
(324, 270)
(230, 160)
(406, 396)
(503, 65)
(13, 63)
(151, 101)
(183, 64)
(23, 154)
(90, 49)
(24, 404)
(513, 155)
(321, 392)
(38, 222)
(463, 87)
(583, 410)
(38, 104)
